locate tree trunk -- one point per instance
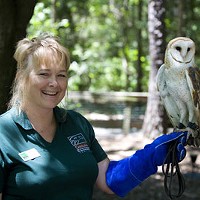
(139, 48)
(155, 116)
(53, 11)
(180, 18)
(14, 17)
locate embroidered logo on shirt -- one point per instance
(79, 142)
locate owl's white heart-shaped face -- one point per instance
(180, 50)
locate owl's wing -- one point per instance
(193, 80)
(167, 99)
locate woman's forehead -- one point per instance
(51, 67)
(45, 58)
(49, 62)
(49, 57)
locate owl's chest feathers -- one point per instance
(175, 74)
(176, 81)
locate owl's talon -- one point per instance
(181, 126)
(193, 126)
(193, 136)
(190, 141)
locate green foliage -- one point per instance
(93, 31)
(42, 22)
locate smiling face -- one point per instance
(46, 83)
(46, 86)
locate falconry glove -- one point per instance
(123, 175)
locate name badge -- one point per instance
(29, 154)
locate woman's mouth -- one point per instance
(50, 93)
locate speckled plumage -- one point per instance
(178, 82)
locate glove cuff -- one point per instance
(124, 175)
(142, 163)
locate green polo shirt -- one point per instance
(32, 168)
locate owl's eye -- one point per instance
(178, 48)
(188, 49)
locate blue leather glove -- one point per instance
(123, 175)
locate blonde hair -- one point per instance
(32, 53)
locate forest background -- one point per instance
(114, 45)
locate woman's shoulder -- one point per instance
(78, 118)
(7, 124)
(64, 114)
(75, 114)
(7, 116)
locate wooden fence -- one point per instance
(125, 120)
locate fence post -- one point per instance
(127, 119)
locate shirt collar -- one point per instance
(21, 118)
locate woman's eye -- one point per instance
(62, 75)
(43, 74)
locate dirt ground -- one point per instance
(119, 146)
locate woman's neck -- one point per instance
(43, 121)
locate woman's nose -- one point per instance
(53, 82)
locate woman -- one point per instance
(50, 153)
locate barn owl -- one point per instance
(178, 83)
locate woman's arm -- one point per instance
(101, 179)
(0, 196)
